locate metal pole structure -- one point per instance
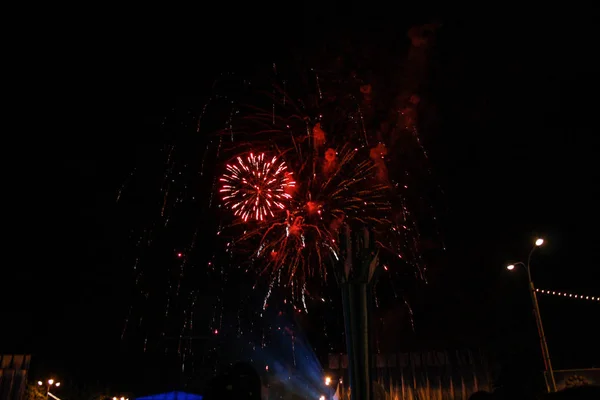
(356, 275)
(549, 372)
(356, 308)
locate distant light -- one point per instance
(50, 381)
(322, 398)
(216, 331)
(266, 368)
(327, 380)
(179, 255)
(57, 384)
(510, 267)
(40, 383)
(539, 242)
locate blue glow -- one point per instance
(172, 396)
(291, 363)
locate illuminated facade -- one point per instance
(13, 375)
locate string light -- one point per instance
(564, 294)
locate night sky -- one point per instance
(512, 142)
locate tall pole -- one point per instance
(355, 299)
(356, 275)
(549, 372)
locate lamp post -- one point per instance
(549, 372)
(329, 389)
(48, 384)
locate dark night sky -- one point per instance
(513, 146)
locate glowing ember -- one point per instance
(255, 187)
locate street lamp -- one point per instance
(538, 319)
(48, 385)
(328, 384)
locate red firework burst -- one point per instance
(255, 187)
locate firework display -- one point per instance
(267, 172)
(340, 170)
(302, 240)
(253, 188)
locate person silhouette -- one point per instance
(245, 382)
(481, 395)
(241, 382)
